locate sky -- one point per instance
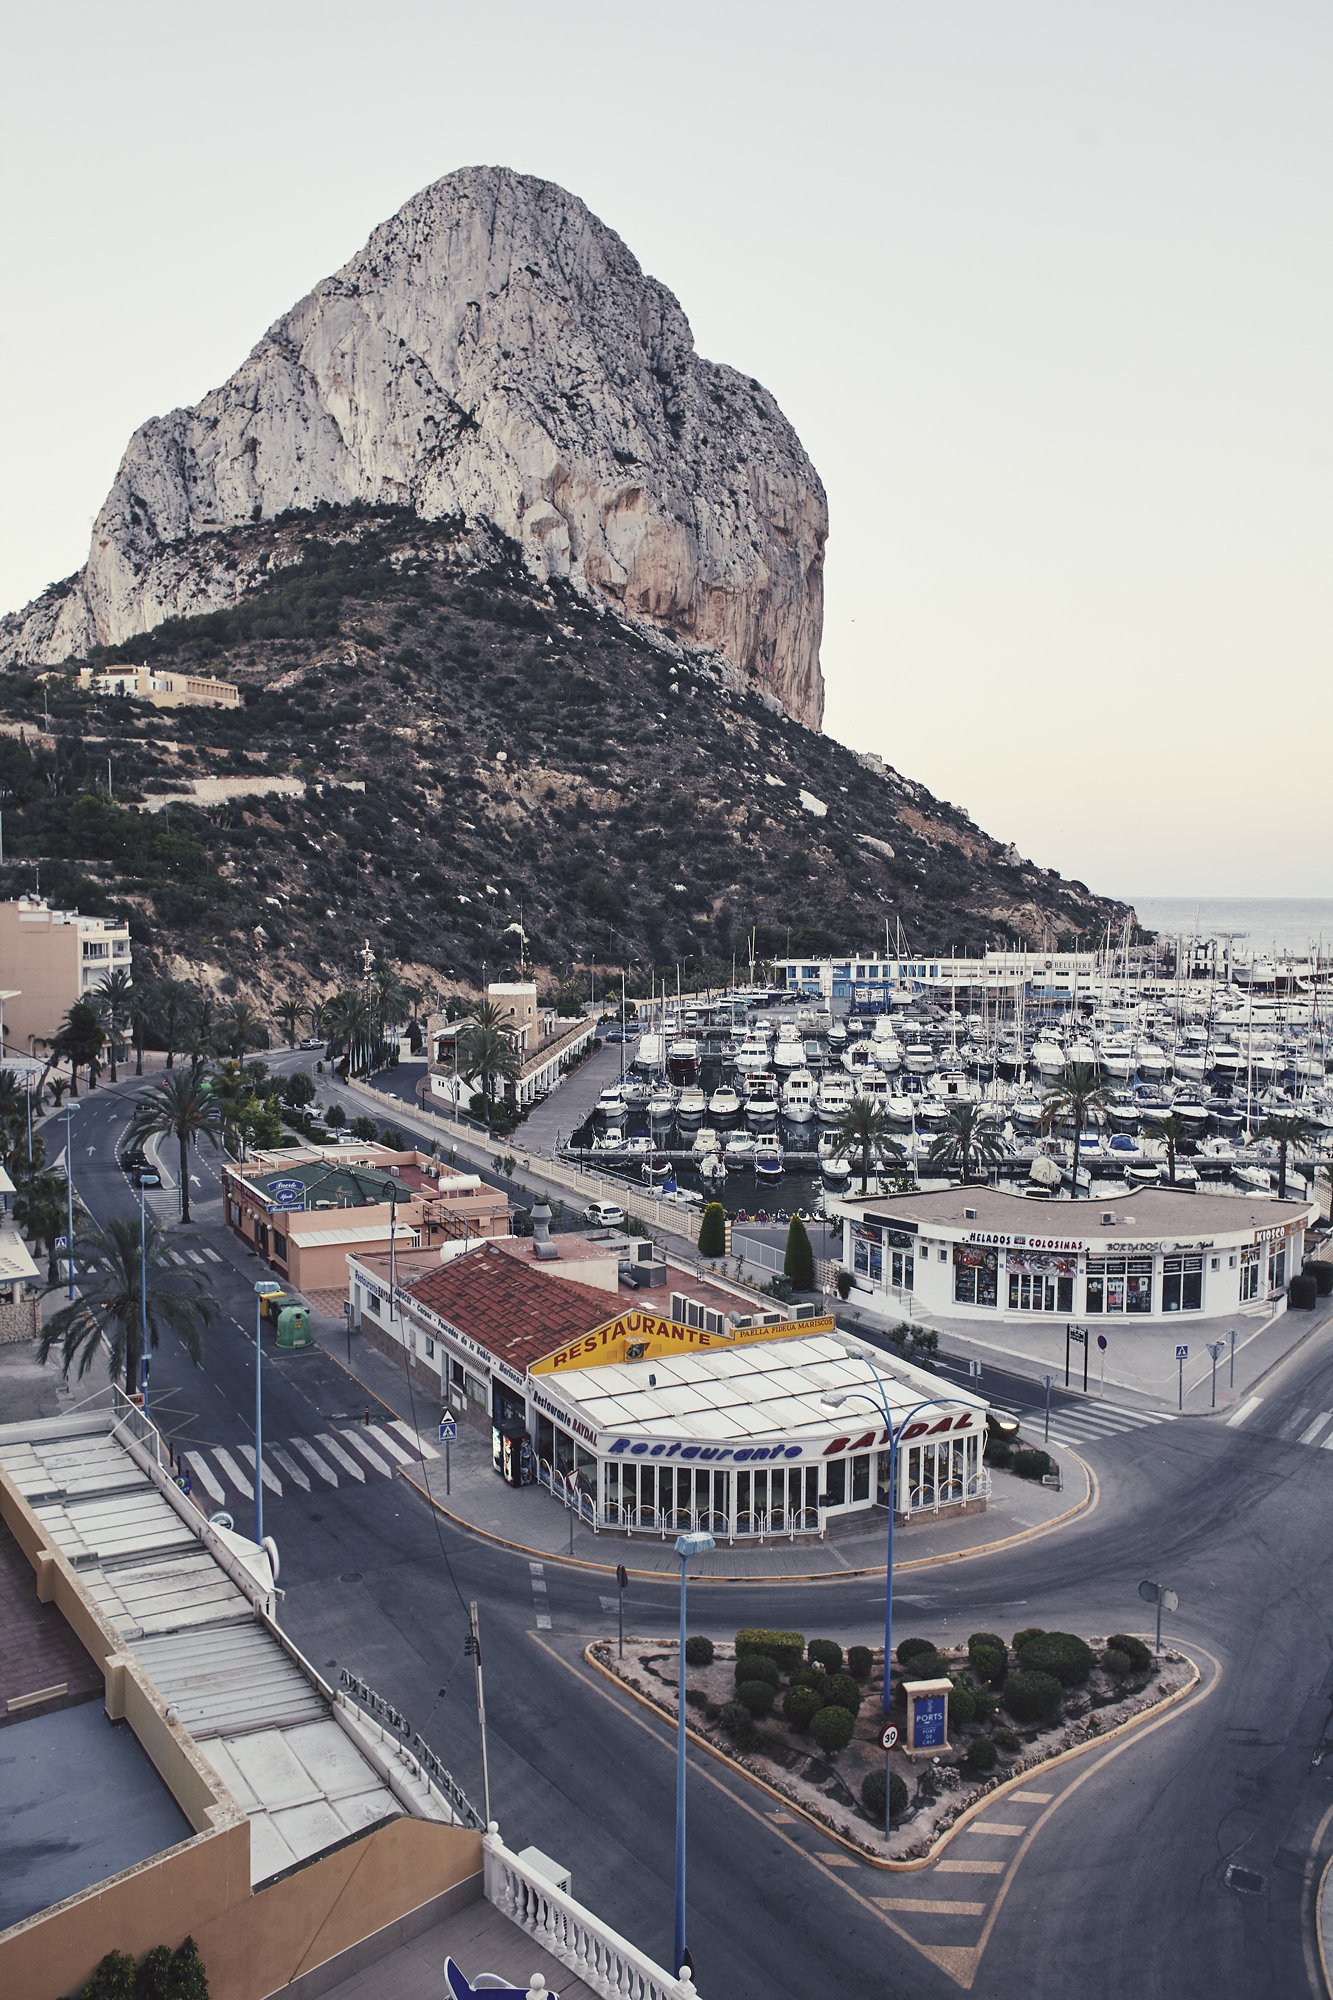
(1043, 286)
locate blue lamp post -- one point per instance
(71, 1106)
(686, 1546)
(145, 1181)
(261, 1286)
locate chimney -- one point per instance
(542, 1247)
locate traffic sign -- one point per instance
(1077, 1335)
(888, 1736)
(1182, 1353)
(448, 1427)
(1101, 1342)
(62, 1243)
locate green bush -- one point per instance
(756, 1667)
(930, 1666)
(163, 1975)
(1020, 1639)
(1138, 1655)
(1303, 1292)
(713, 1231)
(1032, 1463)
(756, 1697)
(798, 1263)
(112, 1978)
(832, 1729)
(999, 1451)
(907, 1649)
(984, 1639)
(1321, 1270)
(962, 1704)
(1069, 1658)
(801, 1705)
(1117, 1664)
(872, 1795)
(826, 1653)
(860, 1661)
(988, 1663)
(985, 1701)
(738, 1723)
(1007, 1739)
(1032, 1697)
(805, 1677)
(982, 1754)
(698, 1651)
(841, 1691)
(787, 1648)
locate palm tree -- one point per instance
(349, 1025)
(144, 1007)
(1078, 1098)
(112, 999)
(183, 1108)
(79, 1040)
(486, 1050)
(388, 999)
(969, 1138)
(1170, 1131)
(110, 1305)
(290, 1010)
(201, 1024)
(41, 1211)
(241, 1028)
(1287, 1131)
(173, 999)
(864, 1129)
(13, 1113)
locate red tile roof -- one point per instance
(513, 1309)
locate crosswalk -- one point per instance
(1083, 1425)
(339, 1457)
(1308, 1425)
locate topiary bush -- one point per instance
(1032, 1697)
(988, 1663)
(1117, 1664)
(1321, 1270)
(713, 1231)
(1138, 1655)
(756, 1697)
(962, 1704)
(1063, 1654)
(757, 1667)
(860, 1661)
(930, 1666)
(982, 1754)
(826, 1653)
(907, 1650)
(976, 1639)
(999, 1451)
(1020, 1639)
(805, 1677)
(841, 1691)
(787, 1648)
(698, 1651)
(801, 1705)
(872, 1795)
(738, 1723)
(832, 1729)
(1032, 1463)
(1007, 1739)
(985, 1701)
(1302, 1292)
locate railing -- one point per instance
(592, 1951)
(571, 1498)
(749, 1526)
(925, 1499)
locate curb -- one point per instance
(955, 1827)
(1320, 1893)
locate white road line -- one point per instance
(1293, 1423)
(233, 1471)
(195, 1258)
(383, 1442)
(1244, 1413)
(544, 1625)
(1309, 1436)
(416, 1439)
(200, 1468)
(339, 1457)
(372, 1458)
(608, 1604)
(539, 1586)
(213, 1257)
(291, 1468)
(273, 1484)
(537, 1569)
(1327, 1445)
(308, 1452)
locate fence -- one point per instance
(593, 1952)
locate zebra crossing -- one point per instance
(1308, 1426)
(342, 1456)
(1083, 1425)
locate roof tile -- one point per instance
(516, 1311)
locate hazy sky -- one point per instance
(1044, 286)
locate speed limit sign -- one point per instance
(889, 1737)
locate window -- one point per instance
(430, 1348)
(280, 1247)
(868, 1253)
(1182, 1284)
(974, 1276)
(944, 1256)
(1119, 1285)
(901, 1250)
(1041, 1281)
(1277, 1267)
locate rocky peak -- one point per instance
(494, 353)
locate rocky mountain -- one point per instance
(494, 356)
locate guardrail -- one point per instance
(593, 1952)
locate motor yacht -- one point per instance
(691, 1104)
(800, 1097)
(724, 1104)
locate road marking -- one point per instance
(1293, 1423)
(1327, 1445)
(1309, 1436)
(781, 1818)
(1244, 1413)
(211, 1255)
(916, 1904)
(537, 1569)
(1031, 1798)
(291, 1468)
(608, 1604)
(383, 1442)
(1000, 1828)
(308, 1451)
(233, 1471)
(340, 1457)
(195, 1257)
(543, 1622)
(414, 1438)
(835, 1860)
(948, 1867)
(377, 1464)
(539, 1583)
(270, 1480)
(203, 1474)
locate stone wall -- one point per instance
(19, 1319)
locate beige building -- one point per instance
(50, 958)
(545, 1042)
(163, 690)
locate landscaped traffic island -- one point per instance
(807, 1717)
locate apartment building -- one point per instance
(50, 958)
(163, 690)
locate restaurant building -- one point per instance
(979, 1253)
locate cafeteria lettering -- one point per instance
(733, 1454)
(921, 1428)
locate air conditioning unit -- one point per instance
(807, 1312)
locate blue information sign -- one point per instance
(928, 1732)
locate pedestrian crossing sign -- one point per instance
(448, 1427)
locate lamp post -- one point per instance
(686, 1546)
(259, 1412)
(71, 1107)
(145, 1181)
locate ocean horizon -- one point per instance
(1267, 923)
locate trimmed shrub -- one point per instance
(930, 1666)
(738, 1723)
(841, 1691)
(1032, 1697)
(962, 1704)
(872, 1795)
(1007, 1739)
(999, 1451)
(787, 1648)
(757, 1667)
(976, 1639)
(698, 1651)
(1302, 1292)
(1117, 1664)
(843, 1284)
(713, 1231)
(860, 1661)
(1032, 1463)
(907, 1650)
(805, 1677)
(1321, 1270)
(832, 1729)
(799, 1261)
(1069, 1658)
(801, 1706)
(985, 1701)
(988, 1663)
(756, 1697)
(982, 1754)
(1020, 1639)
(826, 1653)
(1138, 1655)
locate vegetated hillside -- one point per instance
(526, 760)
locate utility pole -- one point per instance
(474, 1647)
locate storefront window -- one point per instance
(1041, 1281)
(1251, 1266)
(1119, 1284)
(974, 1275)
(1277, 1267)
(900, 1250)
(868, 1253)
(1182, 1284)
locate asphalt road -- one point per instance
(1117, 1879)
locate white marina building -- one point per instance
(869, 980)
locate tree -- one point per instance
(113, 998)
(799, 1262)
(184, 1108)
(969, 1139)
(363, 1127)
(1286, 1132)
(713, 1231)
(1078, 1098)
(290, 1010)
(349, 1025)
(201, 1024)
(78, 1041)
(41, 1210)
(299, 1090)
(110, 1306)
(863, 1129)
(486, 1051)
(143, 1014)
(1170, 1131)
(388, 999)
(173, 999)
(13, 1115)
(241, 1028)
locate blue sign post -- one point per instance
(448, 1432)
(1182, 1356)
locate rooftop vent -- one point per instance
(969, 1215)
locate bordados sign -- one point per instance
(791, 1451)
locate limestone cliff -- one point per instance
(495, 353)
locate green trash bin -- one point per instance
(294, 1327)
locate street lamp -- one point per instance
(145, 1181)
(261, 1286)
(686, 1546)
(71, 1106)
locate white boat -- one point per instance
(739, 1150)
(752, 1056)
(1258, 1178)
(1027, 1110)
(662, 1104)
(712, 1167)
(1192, 1110)
(683, 1060)
(900, 1109)
(918, 1058)
(768, 1157)
(647, 1056)
(1048, 1058)
(611, 1104)
(612, 1141)
(800, 1097)
(835, 1094)
(835, 1170)
(657, 1170)
(640, 1147)
(724, 1105)
(876, 1088)
(705, 1141)
(762, 1100)
(1151, 1061)
(931, 1112)
(788, 1051)
(1144, 1173)
(859, 1055)
(691, 1103)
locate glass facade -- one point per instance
(1182, 1284)
(1119, 1285)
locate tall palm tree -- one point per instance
(350, 1027)
(41, 1211)
(13, 1113)
(487, 1051)
(173, 999)
(144, 1010)
(864, 1129)
(1287, 1132)
(201, 1024)
(79, 1040)
(110, 1305)
(241, 1028)
(182, 1107)
(112, 999)
(290, 1010)
(1170, 1131)
(1078, 1097)
(388, 999)
(969, 1139)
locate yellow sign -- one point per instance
(642, 1336)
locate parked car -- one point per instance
(604, 1214)
(133, 1159)
(312, 1042)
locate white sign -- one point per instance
(448, 1427)
(888, 1737)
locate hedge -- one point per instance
(801, 1705)
(872, 1795)
(1303, 1292)
(1117, 1664)
(1032, 1463)
(1032, 1697)
(982, 1754)
(1069, 1658)
(738, 1722)
(713, 1231)
(931, 1666)
(860, 1661)
(909, 1648)
(841, 1691)
(832, 1729)
(1020, 1639)
(698, 1651)
(976, 1639)
(826, 1653)
(787, 1648)
(1138, 1655)
(962, 1704)
(757, 1667)
(756, 1697)
(1320, 1269)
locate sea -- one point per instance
(1267, 923)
